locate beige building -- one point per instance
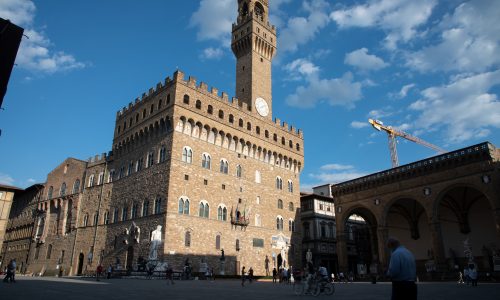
(212, 173)
(6, 197)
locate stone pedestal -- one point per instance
(222, 267)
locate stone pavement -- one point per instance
(37, 288)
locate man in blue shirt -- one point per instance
(402, 271)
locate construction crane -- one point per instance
(393, 133)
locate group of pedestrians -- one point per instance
(469, 276)
(246, 275)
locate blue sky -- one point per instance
(428, 67)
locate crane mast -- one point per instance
(392, 133)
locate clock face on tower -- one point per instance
(261, 106)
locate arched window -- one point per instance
(217, 242)
(222, 213)
(283, 140)
(266, 134)
(137, 117)
(231, 119)
(280, 204)
(187, 239)
(160, 103)
(115, 215)
(125, 213)
(275, 137)
(91, 181)
(85, 220)
(210, 110)
(186, 99)
(135, 209)
(163, 154)
(100, 179)
(106, 217)
(187, 155)
(279, 183)
(138, 166)
(221, 114)
(150, 161)
(238, 171)
(290, 144)
(62, 192)
(204, 210)
(183, 206)
(290, 186)
(168, 99)
(240, 123)
(224, 166)
(151, 109)
(130, 168)
(206, 161)
(249, 126)
(279, 222)
(257, 130)
(198, 104)
(111, 175)
(145, 208)
(297, 146)
(257, 177)
(96, 219)
(290, 206)
(158, 205)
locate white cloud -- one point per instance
(364, 61)
(339, 173)
(381, 113)
(214, 19)
(398, 18)
(358, 125)
(34, 52)
(6, 179)
(464, 108)
(212, 53)
(404, 90)
(301, 30)
(336, 91)
(300, 68)
(468, 40)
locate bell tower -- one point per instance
(254, 45)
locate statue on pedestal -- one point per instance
(155, 243)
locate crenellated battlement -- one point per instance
(250, 16)
(97, 159)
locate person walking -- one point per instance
(275, 274)
(243, 276)
(110, 270)
(170, 275)
(402, 271)
(250, 275)
(98, 272)
(473, 274)
(11, 269)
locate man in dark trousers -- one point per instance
(402, 271)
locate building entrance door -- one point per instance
(80, 264)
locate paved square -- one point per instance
(75, 288)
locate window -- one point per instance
(280, 204)
(76, 186)
(204, 210)
(125, 213)
(106, 217)
(150, 161)
(249, 126)
(152, 109)
(49, 251)
(283, 140)
(157, 205)
(163, 154)
(137, 117)
(331, 230)
(307, 232)
(258, 200)
(323, 230)
(145, 208)
(257, 130)
(258, 243)
(187, 155)
(290, 186)
(291, 225)
(96, 219)
(297, 146)
(290, 144)
(135, 209)
(187, 239)
(62, 192)
(130, 168)
(122, 172)
(198, 104)
(258, 222)
(275, 137)
(160, 103)
(221, 114)
(115, 215)
(85, 220)
(266, 134)
(237, 245)
(168, 98)
(91, 181)
(184, 206)
(217, 242)
(279, 223)
(111, 176)
(240, 123)
(257, 177)
(279, 183)
(224, 166)
(231, 119)
(290, 206)
(206, 161)
(139, 164)
(100, 179)
(210, 110)
(186, 99)
(222, 213)
(238, 171)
